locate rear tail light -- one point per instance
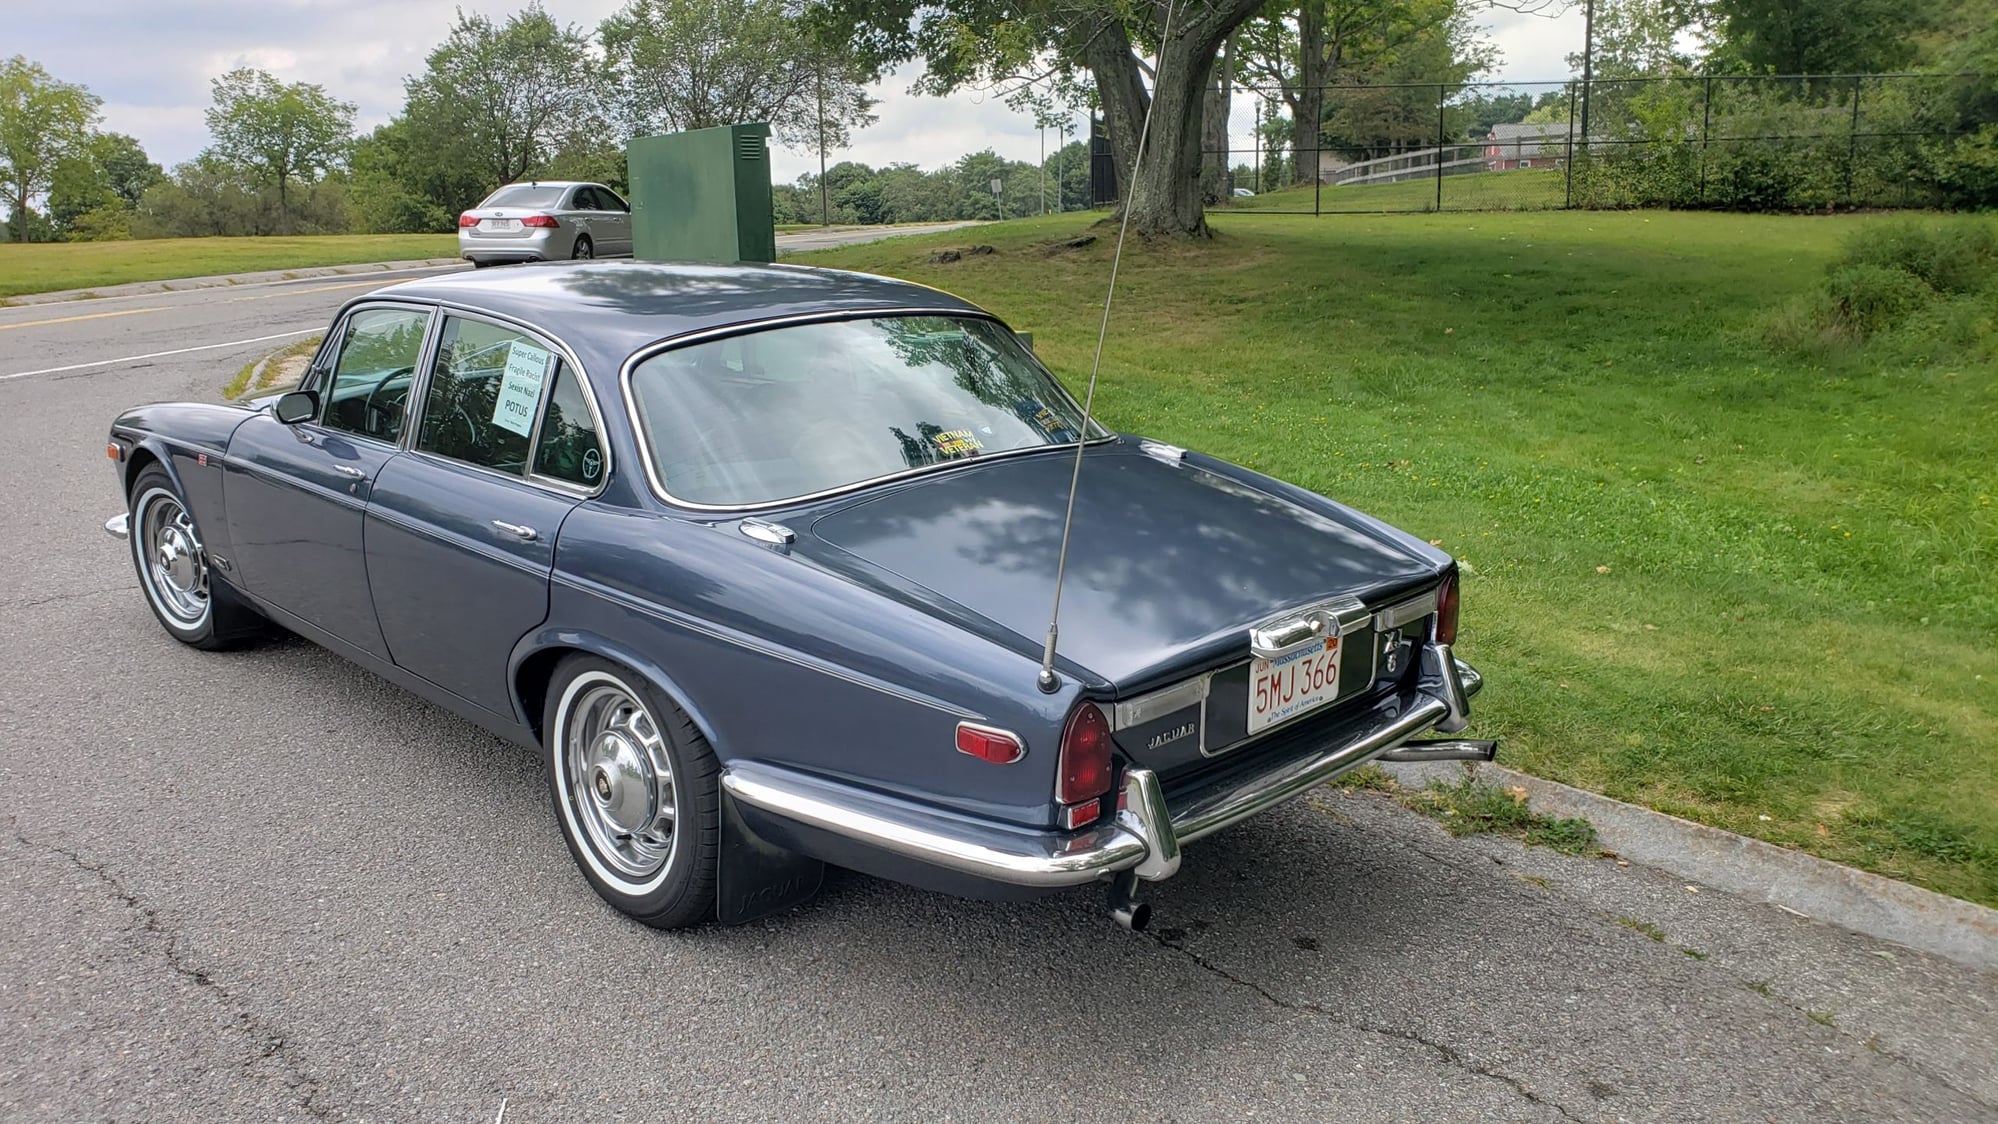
(1000, 747)
(1082, 774)
(1446, 610)
(467, 219)
(538, 220)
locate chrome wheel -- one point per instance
(171, 561)
(617, 779)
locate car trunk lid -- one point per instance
(1168, 566)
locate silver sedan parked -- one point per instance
(544, 221)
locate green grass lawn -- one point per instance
(43, 267)
(1757, 591)
(1530, 190)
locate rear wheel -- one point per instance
(583, 249)
(636, 791)
(173, 569)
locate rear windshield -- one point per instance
(523, 195)
(792, 411)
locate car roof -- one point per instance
(606, 310)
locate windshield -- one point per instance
(523, 195)
(792, 411)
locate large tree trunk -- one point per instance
(1307, 107)
(1215, 184)
(1161, 192)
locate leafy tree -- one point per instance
(278, 132)
(43, 122)
(1108, 46)
(495, 102)
(1313, 44)
(1813, 36)
(674, 65)
(109, 175)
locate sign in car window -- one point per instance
(520, 387)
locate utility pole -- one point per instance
(825, 201)
(1043, 128)
(1588, 67)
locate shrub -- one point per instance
(1869, 299)
(1953, 258)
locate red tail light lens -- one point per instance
(1083, 773)
(987, 744)
(468, 219)
(538, 220)
(1446, 610)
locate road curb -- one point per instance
(225, 280)
(1791, 880)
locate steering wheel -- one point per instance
(368, 404)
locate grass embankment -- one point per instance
(46, 267)
(1730, 582)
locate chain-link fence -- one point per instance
(1726, 142)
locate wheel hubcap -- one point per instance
(620, 781)
(176, 568)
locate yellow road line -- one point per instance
(86, 316)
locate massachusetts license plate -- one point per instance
(502, 224)
(1285, 687)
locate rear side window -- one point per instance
(586, 200)
(523, 195)
(369, 392)
(569, 448)
(485, 393)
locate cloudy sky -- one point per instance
(151, 62)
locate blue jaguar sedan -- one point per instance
(761, 560)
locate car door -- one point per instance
(296, 494)
(461, 531)
(579, 212)
(616, 221)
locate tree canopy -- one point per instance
(280, 132)
(43, 122)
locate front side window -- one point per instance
(791, 411)
(485, 393)
(379, 349)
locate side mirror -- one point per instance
(296, 406)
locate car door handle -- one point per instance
(523, 533)
(349, 471)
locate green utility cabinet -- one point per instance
(702, 195)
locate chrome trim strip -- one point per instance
(1208, 813)
(1018, 856)
(1157, 704)
(687, 339)
(1147, 835)
(1415, 608)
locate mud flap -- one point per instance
(757, 877)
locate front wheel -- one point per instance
(636, 791)
(173, 569)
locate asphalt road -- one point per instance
(266, 886)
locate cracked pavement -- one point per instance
(265, 886)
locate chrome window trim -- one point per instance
(673, 343)
(419, 375)
(568, 354)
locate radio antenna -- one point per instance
(1047, 681)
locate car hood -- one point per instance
(1168, 562)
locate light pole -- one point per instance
(825, 202)
(1044, 167)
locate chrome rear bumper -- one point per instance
(1150, 826)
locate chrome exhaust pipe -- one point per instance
(1123, 904)
(1442, 749)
